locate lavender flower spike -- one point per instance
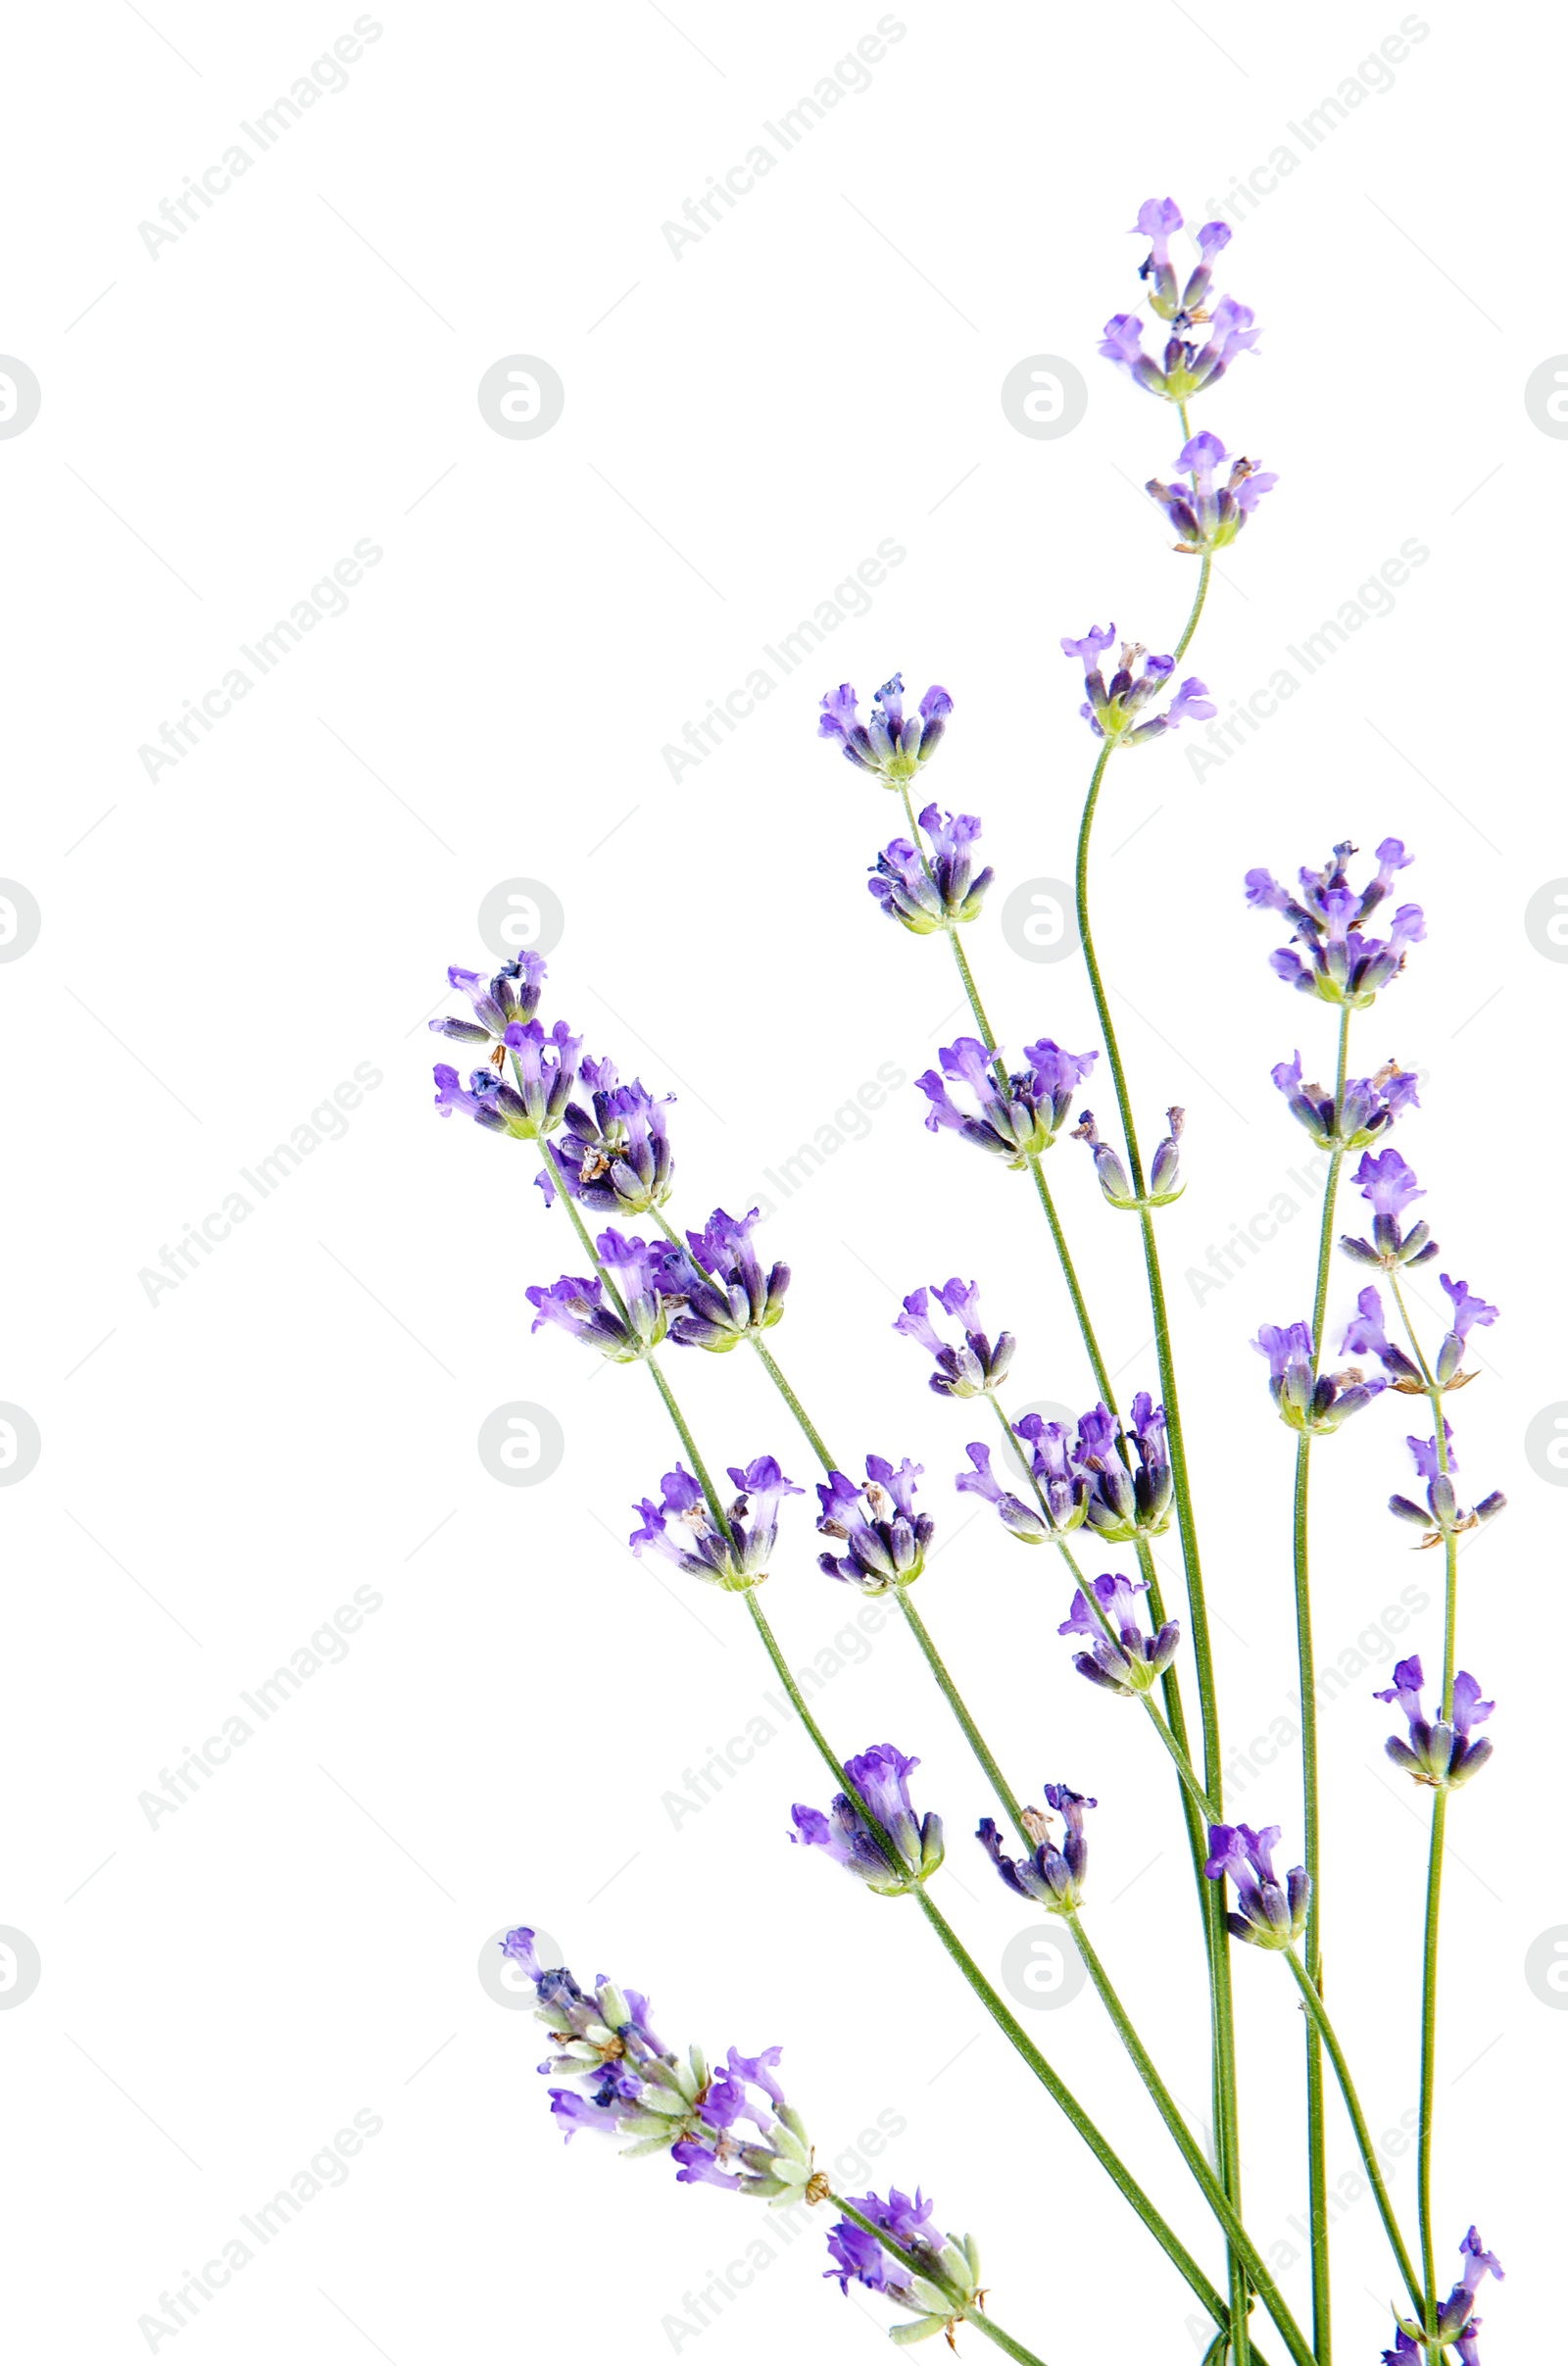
(1468, 1311)
(1441, 1753)
(941, 2284)
(939, 890)
(1443, 1515)
(682, 1530)
(1268, 1914)
(1020, 1519)
(1129, 1494)
(637, 2086)
(885, 1535)
(576, 1303)
(1120, 1656)
(1318, 1404)
(1117, 714)
(1367, 1109)
(1339, 962)
(1052, 1877)
(970, 1370)
(509, 998)
(1015, 1122)
(727, 1295)
(892, 745)
(1390, 1186)
(1206, 520)
(1365, 1335)
(881, 1779)
(1456, 2318)
(1164, 1168)
(613, 1156)
(1186, 367)
(544, 1066)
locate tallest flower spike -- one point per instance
(891, 744)
(1190, 362)
(1337, 961)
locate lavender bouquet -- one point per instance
(1095, 1490)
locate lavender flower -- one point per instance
(1368, 1108)
(1159, 221)
(1016, 1122)
(1053, 1876)
(1113, 713)
(1365, 1335)
(613, 1156)
(1468, 1311)
(1120, 1656)
(1443, 1515)
(1390, 1186)
(1456, 2320)
(1269, 1914)
(509, 998)
(1206, 520)
(727, 1295)
(1164, 1168)
(936, 891)
(1438, 1753)
(1186, 367)
(1343, 963)
(1318, 1402)
(892, 745)
(1129, 1494)
(913, 1850)
(637, 1271)
(637, 2086)
(1063, 1486)
(682, 1530)
(1016, 1516)
(940, 2287)
(885, 1535)
(545, 1067)
(970, 1370)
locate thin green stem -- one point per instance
(925, 2268)
(1202, 594)
(1316, 2144)
(1353, 2104)
(808, 1431)
(1120, 2176)
(955, 1702)
(698, 1467)
(1190, 2151)
(1429, 2053)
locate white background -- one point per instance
(222, 945)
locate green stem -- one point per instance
(1120, 2176)
(1316, 2144)
(811, 1436)
(1190, 2151)
(1429, 2053)
(923, 2267)
(955, 1702)
(1353, 2104)
(698, 1467)
(1180, 650)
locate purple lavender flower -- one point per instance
(613, 1155)
(1318, 1402)
(1390, 1186)
(881, 1779)
(941, 2286)
(1443, 1515)
(1456, 2320)
(682, 1530)
(544, 1067)
(939, 889)
(886, 1537)
(1468, 1311)
(1269, 1913)
(1113, 713)
(509, 998)
(1159, 221)
(1127, 1468)
(1439, 1753)
(727, 1295)
(1164, 1168)
(1015, 1124)
(1029, 1526)
(892, 745)
(1053, 1876)
(1342, 963)
(1188, 364)
(1207, 520)
(1120, 1656)
(1368, 1108)
(624, 1332)
(1365, 1335)
(973, 1368)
